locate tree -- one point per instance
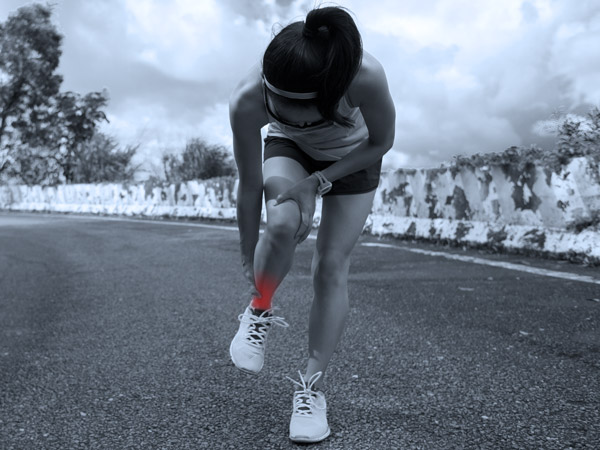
(73, 126)
(29, 55)
(35, 166)
(171, 165)
(199, 161)
(102, 160)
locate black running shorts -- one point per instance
(359, 182)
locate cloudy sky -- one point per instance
(466, 77)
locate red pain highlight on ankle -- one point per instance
(266, 285)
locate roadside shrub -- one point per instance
(574, 139)
(101, 160)
(199, 161)
(35, 166)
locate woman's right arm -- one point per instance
(247, 116)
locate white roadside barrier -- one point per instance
(536, 210)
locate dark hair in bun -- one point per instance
(322, 54)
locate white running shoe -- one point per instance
(247, 348)
(309, 416)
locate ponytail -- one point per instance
(322, 54)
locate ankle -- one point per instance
(318, 386)
(266, 286)
(258, 306)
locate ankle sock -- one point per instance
(257, 312)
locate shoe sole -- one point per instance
(305, 439)
(241, 368)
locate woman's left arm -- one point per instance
(373, 97)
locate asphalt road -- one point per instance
(115, 334)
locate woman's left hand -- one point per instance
(304, 194)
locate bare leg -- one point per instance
(327, 321)
(274, 253)
(342, 220)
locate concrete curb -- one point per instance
(556, 243)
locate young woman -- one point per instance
(331, 119)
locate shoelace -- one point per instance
(261, 324)
(304, 399)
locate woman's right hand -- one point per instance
(248, 270)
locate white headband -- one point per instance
(288, 94)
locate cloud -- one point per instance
(574, 54)
(267, 11)
(465, 76)
(529, 12)
(476, 77)
(181, 35)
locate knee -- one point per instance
(331, 267)
(283, 221)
